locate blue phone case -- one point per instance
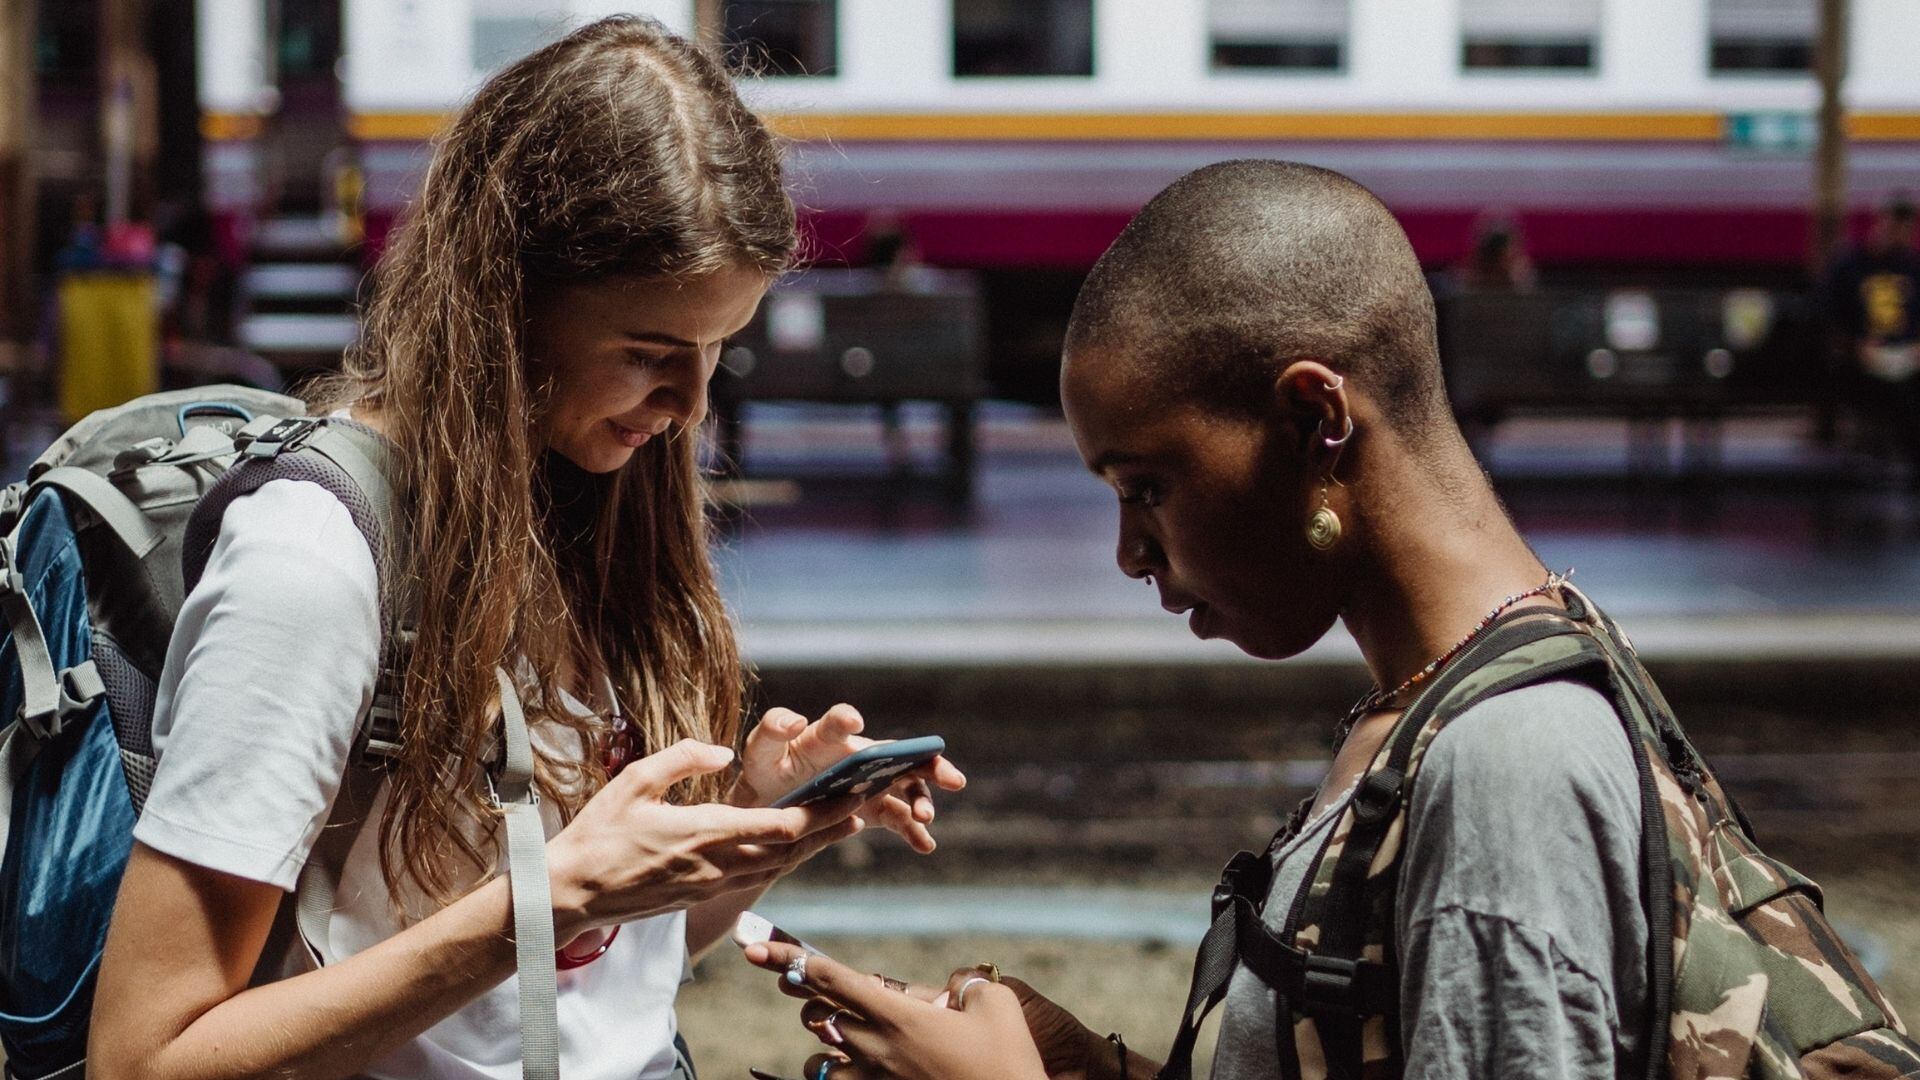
(865, 771)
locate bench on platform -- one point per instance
(856, 337)
(1648, 356)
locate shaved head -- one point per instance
(1243, 267)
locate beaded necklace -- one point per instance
(1376, 697)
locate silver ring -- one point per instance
(1335, 444)
(830, 1027)
(797, 970)
(960, 995)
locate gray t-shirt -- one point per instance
(1521, 929)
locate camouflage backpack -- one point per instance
(1745, 974)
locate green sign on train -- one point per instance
(1771, 132)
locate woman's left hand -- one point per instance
(784, 751)
(974, 1030)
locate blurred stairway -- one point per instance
(297, 299)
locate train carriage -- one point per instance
(1020, 133)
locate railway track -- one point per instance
(1142, 820)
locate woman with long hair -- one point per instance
(593, 225)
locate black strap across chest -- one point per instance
(1333, 983)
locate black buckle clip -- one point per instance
(1327, 983)
(1243, 871)
(284, 436)
(1374, 800)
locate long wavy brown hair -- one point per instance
(620, 150)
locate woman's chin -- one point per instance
(1262, 643)
(598, 458)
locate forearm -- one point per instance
(709, 922)
(334, 1021)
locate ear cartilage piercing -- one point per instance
(1333, 443)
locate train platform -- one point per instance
(1782, 551)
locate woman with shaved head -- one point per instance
(1514, 835)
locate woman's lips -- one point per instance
(629, 437)
(1196, 620)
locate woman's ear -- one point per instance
(1313, 398)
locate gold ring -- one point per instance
(990, 970)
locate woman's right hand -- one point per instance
(629, 853)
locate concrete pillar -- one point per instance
(1830, 159)
(129, 110)
(19, 104)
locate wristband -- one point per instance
(1120, 1047)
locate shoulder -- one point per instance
(1520, 886)
(1527, 806)
(1554, 734)
(297, 529)
(289, 568)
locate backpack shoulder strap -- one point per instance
(1344, 912)
(352, 461)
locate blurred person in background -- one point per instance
(594, 223)
(1873, 296)
(1498, 261)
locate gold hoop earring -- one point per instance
(1323, 528)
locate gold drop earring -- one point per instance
(1323, 527)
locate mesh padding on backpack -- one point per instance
(250, 475)
(130, 697)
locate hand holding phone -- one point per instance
(865, 772)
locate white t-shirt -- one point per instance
(270, 667)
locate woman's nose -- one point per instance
(1137, 554)
(682, 400)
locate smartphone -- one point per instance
(754, 929)
(865, 771)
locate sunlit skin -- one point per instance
(1209, 507)
(626, 360)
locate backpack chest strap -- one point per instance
(1312, 982)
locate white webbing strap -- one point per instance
(107, 502)
(532, 897)
(316, 894)
(39, 683)
(15, 752)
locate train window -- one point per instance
(309, 38)
(506, 30)
(1518, 35)
(1760, 36)
(1301, 35)
(782, 37)
(1022, 37)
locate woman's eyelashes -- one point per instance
(649, 360)
(1138, 492)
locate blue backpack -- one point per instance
(98, 548)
